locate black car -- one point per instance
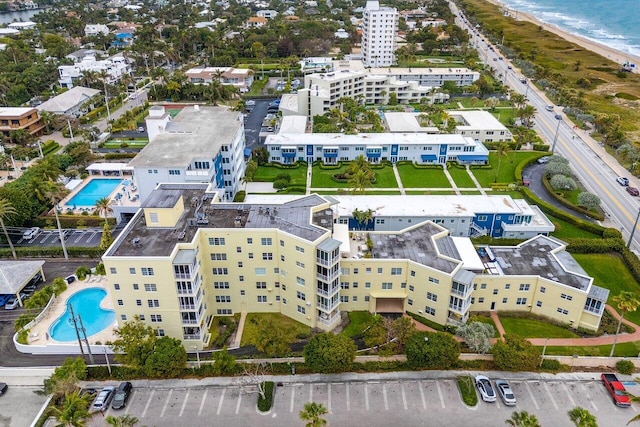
(3, 388)
(122, 395)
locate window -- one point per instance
(524, 287)
(507, 286)
(367, 298)
(413, 273)
(344, 271)
(504, 300)
(220, 285)
(139, 302)
(284, 287)
(368, 270)
(567, 297)
(396, 271)
(150, 287)
(367, 284)
(300, 249)
(218, 257)
(216, 241)
(160, 332)
(538, 303)
(562, 311)
(147, 271)
(224, 311)
(483, 286)
(300, 264)
(116, 286)
(135, 287)
(354, 284)
(262, 298)
(112, 270)
(123, 316)
(300, 281)
(410, 301)
(521, 301)
(434, 280)
(301, 309)
(141, 316)
(379, 270)
(241, 278)
(120, 302)
(153, 217)
(276, 284)
(387, 285)
(432, 297)
(250, 240)
(267, 256)
(132, 270)
(344, 285)
(411, 288)
(250, 255)
(260, 271)
(480, 300)
(223, 298)
(261, 285)
(153, 303)
(301, 295)
(174, 172)
(156, 318)
(266, 241)
(240, 264)
(543, 289)
(403, 285)
(284, 300)
(495, 292)
(277, 297)
(282, 243)
(429, 310)
(242, 292)
(344, 298)
(219, 271)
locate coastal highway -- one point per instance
(591, 164)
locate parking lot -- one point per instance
(419, 402)
(19, 406)
(88, 237)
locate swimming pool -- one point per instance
(86, 304)
(95, 190)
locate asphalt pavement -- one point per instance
(253, 122)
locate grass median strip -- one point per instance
(467, 390)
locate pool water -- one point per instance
(95, 190)
(86, 304)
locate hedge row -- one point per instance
(526, 162)
(594, 246)
(49, 147)
(567, 203)
(118, 156)
(239, 197)
(276, 165)
(52, 252)
(73, 221)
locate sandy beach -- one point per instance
(602, 50)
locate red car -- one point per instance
(633, 191)
(616, 390)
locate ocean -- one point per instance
(614, 23)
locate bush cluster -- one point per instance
(265, 404)
(625, 367)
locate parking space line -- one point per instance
(348, 401)
(384, 395)
(555, 405)
(404, 396)
(531, 394)
(166, 403)
(329, 397)
(204, 397)
(586, 392)
(568, 394)
(424, 402)
(311, 393)
(238, 405)
(186, 396)
(144, 412)
(220, 403)
(126, 409)
(440, 394)
(366, 397)
(293, 398)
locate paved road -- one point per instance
(253, 123)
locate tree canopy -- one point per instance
(432, 350)
(328, 353)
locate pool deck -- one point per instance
(39, 334)
(128, 195)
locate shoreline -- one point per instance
(605, 51)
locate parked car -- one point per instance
(549, 108)
(558, 117)
(633, 191)
(3, 388)
(4, 299)
(543, 160)
(31, 233)
(486, 390)
(250, 103)
(622, 181)
(505, 392)
(12, 303)
(103, 399)
(122, 395)
(523, 81)
(141, 129)
(616, 390)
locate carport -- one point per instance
(15, 275)
(388, 304)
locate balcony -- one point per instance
(595, 310)
(190, 321)
(191, 336)
(329, 322)
(328, 293)
(463, 295)
(187, 306)
(187, 291)
(328, 308)
(328, 277)
(460, 309)
(326, 262)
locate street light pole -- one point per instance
(107, 359)
(555, 138)
(544, 350)
(633, 230)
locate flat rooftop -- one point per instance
(196, 132)
(358, 66)
(476, 120)
(536, 257)
(369, 139)
(293, 217)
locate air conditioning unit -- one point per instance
(270, 302)
(269, 289)
(309, 303)
(308, 317)
(420, 311)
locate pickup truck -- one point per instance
(616, 390)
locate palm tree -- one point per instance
(522, 419)
(103, 75)
(103, 207)
(359, 163)
(360, 181)
(7, 209)
(74, 411)
(54, 194)
(502, 149)
(526, 114)
(627, 302)
(121, 421)
(312, 413)
(582, 418)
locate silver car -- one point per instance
(505, 392)
(103, 399)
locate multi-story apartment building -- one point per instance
(322, 91)
(241, 78)
(331, 148)
(14, 118)
(115, 67)
(379, 28)
(202, 144)
(185, 258)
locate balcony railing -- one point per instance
(462, 309)
(328, 293)
(328, 277)
(463, 295)
(190, 321)
(187, 291)
(327, 262)
(330, 321)
(191, 336)
(328, 307)
(595, 310)
(187, 306)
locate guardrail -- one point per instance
(42, 314)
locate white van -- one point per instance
(31, 233)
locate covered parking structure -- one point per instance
(15, 275)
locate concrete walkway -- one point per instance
(238, 338)
(309, 173)
(451, 181)
(398, 180)
(475, 181)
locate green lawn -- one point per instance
(627, 349)
(358, 321)
(253, 322)
(117, 143)
(413, 177)
(461, 177)
(566, 230)
(269, 173)
(470, 193)
(321, 178)
(173, 112)
(504, 115)
(430, 193)
(486, 177)
(385, 178)
(531, 328)
(609, 271)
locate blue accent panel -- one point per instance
(309, 150)
(247, 152)
(290, 155)
(355, 225)
(374, 155)
(443, 150)
(472, 157)
(219, 172)
(330, 155)
(427, 157)
(394, 150)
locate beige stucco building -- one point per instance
(185, 257)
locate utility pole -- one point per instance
(555, 138)
(75, 326)
(86, 340)
(633, 230)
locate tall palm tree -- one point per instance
(121, 421)
(54, 194)
(626, 302)
(502, 149)
(74, 411)
(103, 207)
(582, 418)
(360, 181)
(312, 413)
(522, 419)
(103, 76)
(7, 209)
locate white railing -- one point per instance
(328, 307)
(328, 293)
(191, 336)
(327, 262)
(463, 295)
(328, 277)
(330, 321)
(43, 313)
(196, 173)
(187, 306)
(462, 309)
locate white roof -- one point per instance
(73, 183)
(407, 122)
(14, 111)
(69, 99)
(293, 124)
(108, 167)
(15, 274)
(476, 120)
(22, 24)
(372, 139)
(470, 258)
(289, 104)
(9, 31)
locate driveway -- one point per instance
(253, 122)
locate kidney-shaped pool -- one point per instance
(86, 304)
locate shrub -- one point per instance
(59, 285)
(467, 390)
(328, 353)
(82, 272)
(515, 354)
(611, 233)
(625, 367)
(239, 197)
(551, 365)
(265, 404)
(432, 350)
(100, 269)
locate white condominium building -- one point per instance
(379, 28)
(115, 67)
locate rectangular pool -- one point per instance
(95, 190)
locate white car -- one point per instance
(622, 181)
(11, 304)
(103, 399)
(31, 233)
(505, 392)
(486, 390)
